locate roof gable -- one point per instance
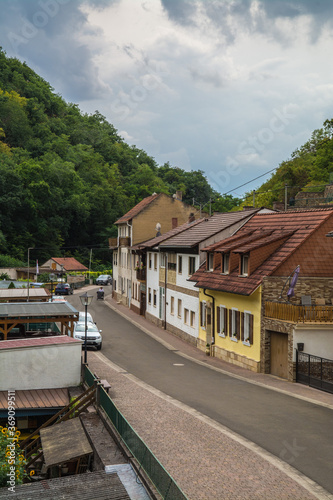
(69, 263)
(138, 208)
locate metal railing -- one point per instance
(314, 371)
(298, 313)
(161, 479)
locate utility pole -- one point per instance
(285, 197)
(254, 198)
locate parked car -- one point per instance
(63, 289)
(104, 279)
(58, 298)
(82, 317)
(94, 337)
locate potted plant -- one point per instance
(208, 349)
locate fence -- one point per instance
(314, 371)
(161, 479)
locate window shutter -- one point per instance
(251, 329)
(242, 326)
(237, 324)
(201, 314)
(225, 321)
(230, 322)
(218, 321)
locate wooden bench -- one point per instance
(106, 385)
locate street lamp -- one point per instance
(85, 301)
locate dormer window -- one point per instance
(225, 263)
(245, 264)
(210, 262)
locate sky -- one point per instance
(229, 87)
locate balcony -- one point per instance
(124, 241)
(113, 242)
(298, 313)
(141, 274)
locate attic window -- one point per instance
(225, 263)
(245, 264)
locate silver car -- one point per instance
(94, 337)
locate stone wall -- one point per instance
(235, 359)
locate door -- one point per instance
(279, 354)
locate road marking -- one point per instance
(178, 364)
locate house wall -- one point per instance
(10, 271)
(226, 348)
(163, 209)
(152, 282)
(317, 338)
(42, 367)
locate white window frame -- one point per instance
(222, 332)
(233, 324)
(189, 265)
(247, 315)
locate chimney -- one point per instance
(191, 218)
(278, 205)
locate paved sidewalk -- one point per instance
(207, 460)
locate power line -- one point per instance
(262, 175)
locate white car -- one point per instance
(82, 317)
(94, 337)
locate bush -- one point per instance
(12, 461)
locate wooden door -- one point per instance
(279, 354)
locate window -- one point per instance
(115, 258)
(179, 308)
(155, 261)
(247, 328)
(162, 259)
(225, 263)
(192, 316)
(149, 260)
(149, 295)
(186, 316)
(203, 314)
(234, 324)
(210, 262)
(244, 264)
(155, 298)
(221, 321)
(172, 261)
(180, 264)
(172, 305)
(191, 265)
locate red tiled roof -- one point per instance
(294, 227)
(38, 342)
(138, 208)
(70, 264)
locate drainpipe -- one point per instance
(213, 315)
(165, 287)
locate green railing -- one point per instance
(161, 479)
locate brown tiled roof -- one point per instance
(138, 208)
(169, 234)
(197, 233)
(70, 264)
(293, 227)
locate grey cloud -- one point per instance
(45, 33)
(231, 18)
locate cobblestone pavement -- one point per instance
(207, 460)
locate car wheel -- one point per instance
(99, 347)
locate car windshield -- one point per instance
(80, 327)
(103, 276)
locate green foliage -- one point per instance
(12, 461)
(11, 285)
(4, 276)
(7, 261)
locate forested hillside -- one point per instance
(65, 176)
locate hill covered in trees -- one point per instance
(66, 176)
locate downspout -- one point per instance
(130, 266)
(213, 315)
(165, 288)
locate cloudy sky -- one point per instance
(230, 87)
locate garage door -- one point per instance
(279, 354)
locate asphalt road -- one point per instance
(296, 431)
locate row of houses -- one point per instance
(220, 282)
